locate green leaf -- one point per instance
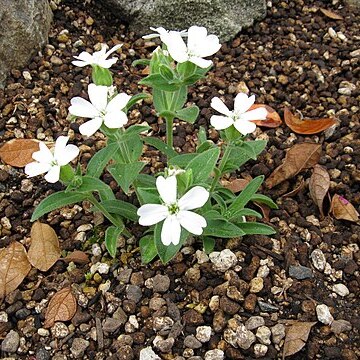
(145, 181)
(112, 234)
(254, 228)
(203, 164)
(249, 150)
(264, 200)
(178, 98)
(159, 100)
(55, 201)
(134, 99)
(244, 197)
(160, 145)
(158, 82)
(91, 184)
(167, 252)
(185, 69)
(238, 157)
(202, 135)
(122, 208)
(148, 249)
(98, 162)
(166, 72)
(208, 244)
(101, 76)
(125, 174)
(248, 212)
(188, 114)
(220, 201)
(208, 144)
(141, 62)
(134, 146)
(136, 129)
(147, 196)
(218, 226)
(182, 160)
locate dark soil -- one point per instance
(297, 57)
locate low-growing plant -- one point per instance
(187, 198)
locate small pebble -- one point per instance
(223, 260)
(203, 333)
(245, 338)
(260, 350)
(11, 342)
(341, 289)
(318, 259)
(278, 333)
(59, 330)
(323, 314)
(148, 354)
(263, 333)
(254, 322)
(300, 272)
(215, 354)
(340, 326)
(256, 285)
(79, 347)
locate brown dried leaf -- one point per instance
(44, 249)
(62, 307)
(78, 257)
(18, 152)
(296, 190)
(342, 209)
(330, 14)
(265, 210)
(299, 157)
(14, 266)
(272, 120)
(235, 185)
(296, 337)
(319, 186)
(306, 126)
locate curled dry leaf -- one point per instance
(272, 120)
(299, 157)
(330, 14)
(306, 126)
(78, 257)
(14, 266)
(265, 210)
(44, 249)
(235, 185)
(296, 336)
(319, 186)
(298, 187)
(18, 152)
(342, 209)
(62, 307)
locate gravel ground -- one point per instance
(194, 308)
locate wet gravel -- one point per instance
(235, 303)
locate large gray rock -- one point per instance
(224, 18)
(24, 28)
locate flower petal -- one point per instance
(44, 155)
(115, 119)
(221, 122)
(171, 231)
(83, 108)
(98, 95)
(60, 146)
(192, 222)
(167, 189)
(85, 56)
(79, 63)
(196, 35)
(175, 46)
(256, 114)
(209, 46)
(218, 105)
(90, 127)
(113, 49)
(53, 174)
(151, 214)
(244, 127)
(106, 63)
(118, 102)
(69, 154)
(200, 62)
(194, 198)
(35, 168)
(242, 102)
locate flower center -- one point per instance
(173, 208)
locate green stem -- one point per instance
(169, 131)
(111, 218)
(221, 166)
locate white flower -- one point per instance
(173, 171)
(97, 58)
(50, 162)
(175, 212)
(100, 110)
(240, 117)
(161, 32)
(199, 45)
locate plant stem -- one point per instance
(169, 131)
(221, 166)
(110, 217)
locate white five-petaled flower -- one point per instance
(100, 110)
(175, 212)
(50, 162)
(199, 45)
(240, 117)
(99, 58)
(161, 32)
